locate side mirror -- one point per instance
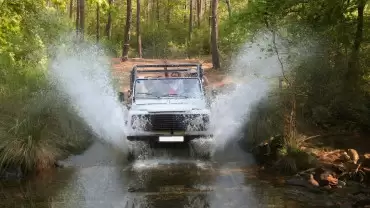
(121, 96)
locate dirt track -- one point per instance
(121, 70)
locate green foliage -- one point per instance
(320, 71)
(265, 120)
(35, 129)
(293, 160)
(35, 136)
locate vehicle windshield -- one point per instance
(168, 87)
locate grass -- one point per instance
(37, 133)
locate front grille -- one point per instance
(175, 122)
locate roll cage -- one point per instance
(166, 70)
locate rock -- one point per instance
(11, 174)
(261, 153)
(332, 181)
(338, 168)
(327, 187)
(297, 181)
(312, 181)
(341, 183)
(354, 155)
(61, 164)
(325, 177)
(58, 164)
(366, 171)
(345, 157)
(366, 160)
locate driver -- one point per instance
(176, 85)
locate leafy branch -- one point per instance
(276, 50)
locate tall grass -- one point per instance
(36, 133)
(265, 120)
(36, 126)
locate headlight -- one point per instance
(198, 122)
(140, 122)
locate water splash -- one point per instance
(252, 70)
(81, 73)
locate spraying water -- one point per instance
(81, 73)
(252, 70)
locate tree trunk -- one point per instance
(354, 71)
(157, 11)
(190, 19)
(148, 11)
(185, 14)
(290, 129)
(210, 13)
(97, 22)
(205, 6)
(199, 10)
(126, 38)
(214, 36)
(70, 8)
(77, 16)
(228, 7)
(108, 27)
(169, 12)
(138, 33)
(82, 19)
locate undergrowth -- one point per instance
(36, 134)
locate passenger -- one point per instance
(175, 74)
(176, 86)
(204, 79)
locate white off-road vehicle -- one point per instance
(165, 108)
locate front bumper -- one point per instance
(154, 135)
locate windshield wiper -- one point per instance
(174, 95)
(147, 93)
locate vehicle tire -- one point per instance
(200, 150)
(137, 149)
(130, 154)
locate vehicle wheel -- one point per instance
(201, 149)
(136, 149)
(130, 154)
(206, 154)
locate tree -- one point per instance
(157, 11)
(108, 27)
(138, 32)
(77, 16)
(82, 18)
(190, 18)
(169, 8)
(97, 21)
(353, 72)
(214, 36)
(70, 8)
(199, 10)
(126, 38)
(228, 7)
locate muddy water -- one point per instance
(101, 178)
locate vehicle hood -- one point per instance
(167, 105)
